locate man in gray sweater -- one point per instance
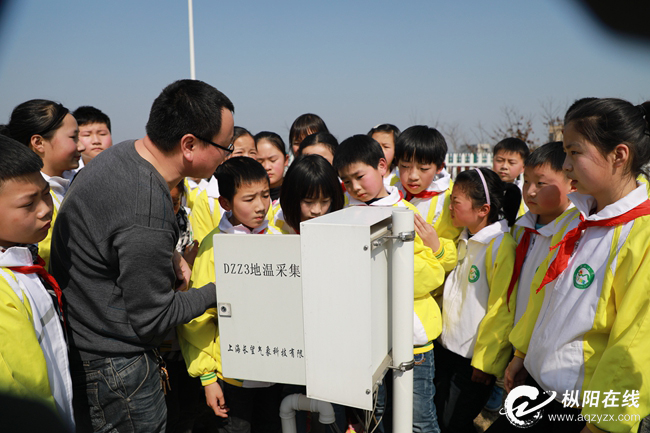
(113, 255)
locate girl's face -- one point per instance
(387, 142)
(314, 207)
(590, 172)
(463, 213)
(63, 150)
(273, 161)
(319, 149)
(244, 146)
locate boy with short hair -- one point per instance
(546, 187)
(508, 158)
(245, 197)
(94, 132)
(33, 350)
(420, 153)
(361, 165)
(204, 203)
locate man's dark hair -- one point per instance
(87, 115)
(17, 160)
(512, 145)
(186, 107)
(551, 153)
(358, 148)
(238, 171)
(421, 144)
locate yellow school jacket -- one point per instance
(436, 212)
(588, 330)
(392, 178)
(276, 219)
(429, 276)
(522, 206)
(199, 339)
(33, 351)
(58, 187)
(192, 190)
(475, 318)
(206, 212)
(537, 251)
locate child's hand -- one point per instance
(515, 375)
(182, 270)
(479, 376)
(214, 398)
(427, 233)
(190, 252)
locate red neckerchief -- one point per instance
(343, 187)
(520, 256)
(422, 194)
(39, 269)
(568, 243)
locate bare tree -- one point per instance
(513, 124)
(552, 118)
(454, 135)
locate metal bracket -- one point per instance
(404, 366)
(403, 236)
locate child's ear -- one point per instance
(484, 210)
(36, 143)
(286, 160)
(382, 167)
(225, 203)
(440, 168)
(621, 155)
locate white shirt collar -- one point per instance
(487, 233)
(16, 256)
(585, 203)
(212, 187)
(225, 226)
(529, 220)
(58, 185)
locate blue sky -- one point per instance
(356, 64)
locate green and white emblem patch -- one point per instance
(583, 276)
(474, 274)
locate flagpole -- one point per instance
(191, 18)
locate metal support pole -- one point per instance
(191, 18)
(402, 284)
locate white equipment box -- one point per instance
(259, 303)
(345, 301)
(320, 317)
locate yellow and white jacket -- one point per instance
(435, 211)
(475, 318)
(392, 178)
(538, 249)
(33, 351)
(276, 219)
(58, 187)
(206, 212)
(589, 329)
(199, 339)
(193, 189)
(428, 276)
(522, 206)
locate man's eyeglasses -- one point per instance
(230, 147)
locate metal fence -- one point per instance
(457, 162)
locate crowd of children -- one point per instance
(535, 272)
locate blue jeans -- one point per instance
(425, 419)
(119, 395)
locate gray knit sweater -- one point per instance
(112, 248)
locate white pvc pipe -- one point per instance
(402, 284)
(294, 402)
(190, 12)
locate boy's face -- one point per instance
(416, 177)
(545, 192)
(249, 205)
(508, 165)
(26, 214)
(363, 182)
(387, 142)
(244, 146)
(96, 138)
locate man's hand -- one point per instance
(427, 233)
(479, 376)
(515, 375)
(214, 399)
(182, 270)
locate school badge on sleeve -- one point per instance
(583, 276)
